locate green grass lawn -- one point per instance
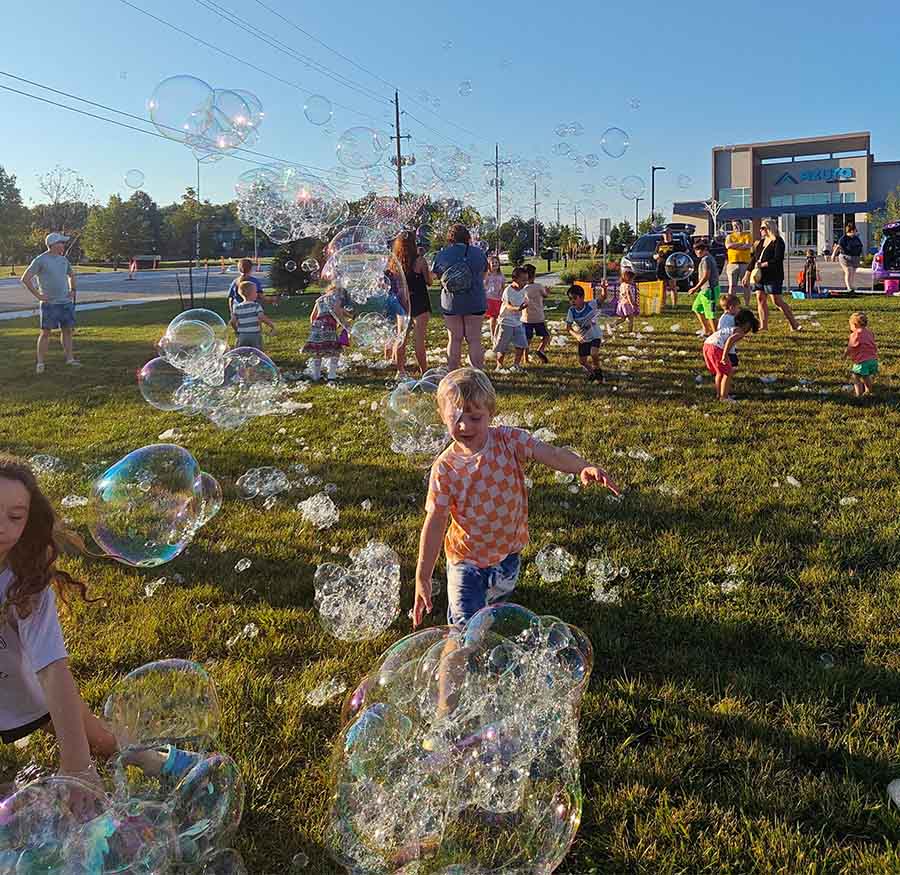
(744, 710)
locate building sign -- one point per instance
(822, 174)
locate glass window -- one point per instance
(782, 200)
(805, 231)
(815, 198)
(737, 198)
(848, 197)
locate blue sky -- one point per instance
(531, 66)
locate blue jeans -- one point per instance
(59, 314)
(470, 588)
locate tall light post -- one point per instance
(653, 169)
(637, 200)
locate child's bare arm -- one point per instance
(731, 341)
(233, 322)
(315, 313)
(429, 549)
(561, 459)
(267, 321)
(67, 713)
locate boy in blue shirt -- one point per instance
(581, 320)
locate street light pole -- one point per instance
(637, 200)
(653, 169)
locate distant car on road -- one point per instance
(886, 263)
(504, 258)
(640, 256)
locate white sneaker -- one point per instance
(39, 368)
(73, 363)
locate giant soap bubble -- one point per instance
(615, 142)
(411, 415)
(679, 266)
(147, 507)
(461, 745)
(360, 148)
(159, 380)
(318, 110)
(633, 187)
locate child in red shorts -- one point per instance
(719, 344)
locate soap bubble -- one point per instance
(359, 269)
(169, 701)
(591, 160)
(554, 563)
(186, 343)
(634, 103)
(223, 861)
(610, 181)
(411, 415)
(361, 601)
(262, 482)
(147, 507)
(462, 745)
(134, 178)
(633, 187)
(311, 266)
(290, 266)
(210, 498)
(359, 148)
(679, 266)
(158, 381)
(465, 88)
(181, 108)
(212, 320)
(685, 181)
(614, 142)
(319, 510)
(207, 805)
(372, 331)
(318, 110)
(562, 149)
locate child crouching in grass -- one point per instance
(38, 690)
(477, 485)
(862, 349)
(718, 347)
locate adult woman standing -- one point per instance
(461, 268)
(768, 256)
(849, 250)
(418, 278)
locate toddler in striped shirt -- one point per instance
(247, 315)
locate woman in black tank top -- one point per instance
(418, 278)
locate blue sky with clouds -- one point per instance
(678, 78)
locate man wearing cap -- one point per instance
(56, 292)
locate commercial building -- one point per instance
(814, 186)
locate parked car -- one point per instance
(640, 256)
(504, 257)
(886, 263)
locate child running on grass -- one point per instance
(477, 485)
(581, 320)
(494, 283)
(707, 288)
(327, 319)
(535, 321)
(247, 315)
(38, 689)
(627, 307)
(718, 346)
(862, 348)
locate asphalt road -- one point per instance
(116, 287)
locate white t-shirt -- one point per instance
(534, 295)
(26, 647)
(513, 298)
(718, 338)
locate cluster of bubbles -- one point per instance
(146, 508)
(262, 483)
(412, 418)
(210, 121)
(461, 746)
(360, 601)
(569, 129)
(679, 266)
(155, 817)
(197, 373)
(287, 204)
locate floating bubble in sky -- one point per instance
(635, 103)
(447, 45)
(591, 159)
(134, 178)
(290, 265)
(147, 507)
(679, 266)
(562, 149)
(587, 188)
(465, 88)
(633, 187)
(318, 110)
(610, 181)
(360, 148)
(614, 142)
(685, 181)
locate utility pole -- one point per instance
(653, 169)
(536, 204)
(398, 137)
(637, 200)
(495, 164)
(557, 212)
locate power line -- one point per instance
(156, 134)
(363, 69)
(274, 42)
(231, 56)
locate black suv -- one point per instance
(640, 256)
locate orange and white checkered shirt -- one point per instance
(487, 497)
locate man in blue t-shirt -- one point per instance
(245, 266)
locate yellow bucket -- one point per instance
(651, 297)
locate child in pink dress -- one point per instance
(627, 307)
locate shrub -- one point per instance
(568, 277)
